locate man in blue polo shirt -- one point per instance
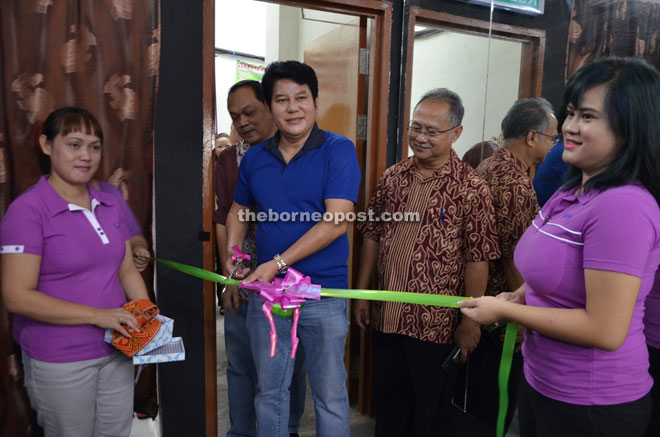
(301, 169)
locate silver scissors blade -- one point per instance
(230, 276)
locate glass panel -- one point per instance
(460, 62)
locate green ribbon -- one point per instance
(393, 296)
(503, 376)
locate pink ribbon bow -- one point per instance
(289, 292)
(239, 254)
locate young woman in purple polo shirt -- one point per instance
(652, 332)
(66, 269)
(589, 261)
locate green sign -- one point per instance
(529, 7)
(245, 70)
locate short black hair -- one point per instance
(300, 73)
(632, 105)
(456, 109)
(248, 83)
(71, 119)
(64, 121)
(527, 115)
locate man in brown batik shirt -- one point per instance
(445, 252)
(528, 128)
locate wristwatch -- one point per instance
(281, 265)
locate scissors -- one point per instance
(230, 277)
(242, 293)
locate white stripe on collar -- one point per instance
(91, 218)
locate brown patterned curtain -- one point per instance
(601, 28)
(102, 55)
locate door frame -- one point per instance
(374, 163)
(531, 62)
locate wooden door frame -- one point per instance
(208, 205)
(531, 63)
(379, 83)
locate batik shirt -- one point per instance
(515, 204)
(456, 225)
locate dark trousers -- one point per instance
(654, 359)
(541, 416)
(411, 392)
(482, 391)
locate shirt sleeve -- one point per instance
(480, 235)
(621, 232)
(129, 217)
(131, 220)
(21, 230)
(515, 208)
(243, 194)
(226, 174)
(372, 229)
(343, 179)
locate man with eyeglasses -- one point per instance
(529, 130)
(446, 252)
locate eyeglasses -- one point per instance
(430, 132)
(555, 138)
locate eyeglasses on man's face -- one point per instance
(430, 132)
(555, 138)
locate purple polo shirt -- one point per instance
(131, 221)
(652, 316)
(80, 252)
(615, 230)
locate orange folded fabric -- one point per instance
(145, 312)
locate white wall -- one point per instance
(240, 26)
(458, 62)
(274, 32)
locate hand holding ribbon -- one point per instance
(287, 293)
(387, 296)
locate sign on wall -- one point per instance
(245, 71)
(529, 7)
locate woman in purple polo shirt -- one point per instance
(589, 261)
(652, 331)
(67, 268)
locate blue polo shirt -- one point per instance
(550, 174)
(325, 168)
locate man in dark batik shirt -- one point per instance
(445, 252)
(528, 129)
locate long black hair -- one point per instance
(632, 105)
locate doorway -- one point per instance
(347, 43)
(490, 65)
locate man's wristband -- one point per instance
(281, 265)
